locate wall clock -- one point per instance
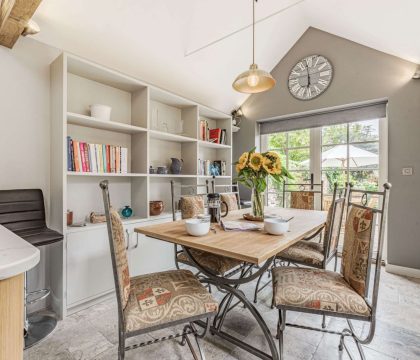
(310, 77)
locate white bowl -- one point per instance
(276, 226)
(197, 227)
(100, 112)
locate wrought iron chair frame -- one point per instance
(123, 335)
(328, 256)
(373, 303)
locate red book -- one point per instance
(76, 156)
(108, 159)
(82, 156)
(214, 135)
(87, 162)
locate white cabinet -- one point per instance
(89, 267)
(148, 255)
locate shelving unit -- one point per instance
(155, 126)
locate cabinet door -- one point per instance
(89, 267)
(148, 255)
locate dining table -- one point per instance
(256, 250)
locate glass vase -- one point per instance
(257, 200)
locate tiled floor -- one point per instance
(91, 333)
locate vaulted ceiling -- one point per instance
(155, 40)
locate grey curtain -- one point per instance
(368, 110)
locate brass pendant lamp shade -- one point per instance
(254, 80)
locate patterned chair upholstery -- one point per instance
(192, 206)
(231, 201)
(316, 289)
(167, 297)
(302, 200)
(304, 252)
(326, 290)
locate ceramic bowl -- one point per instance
(100, 112)
(197, 227)
(276, 226)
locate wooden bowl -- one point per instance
(156, 207)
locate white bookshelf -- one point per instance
(153, 124)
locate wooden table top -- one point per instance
(251, 246)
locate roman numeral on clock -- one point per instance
(322, 82)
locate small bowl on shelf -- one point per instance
(100, 112)
(197, 227)
(276, 226)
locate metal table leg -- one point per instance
(230, 286)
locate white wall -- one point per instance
(25, 126)
(24, 116)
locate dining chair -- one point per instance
(155, 301)
(314, 254)
(304, 196)
(229, 193)
(351, 294)
(190, 206)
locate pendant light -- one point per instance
(253, 80)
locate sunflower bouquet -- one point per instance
(253, 169)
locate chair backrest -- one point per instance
(230, 194)
(22, 209)
(304, 197)
(360, 234)
(191, 204)
(118, 249)
(334, 222)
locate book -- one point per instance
(104, 158)
(92, 157)
(214, 135)
(124, 160)
(69, 160)
(82, 156)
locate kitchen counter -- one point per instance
(16, 257)
(16, 254)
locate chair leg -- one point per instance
(280, 330)
(324, 325)
(121, 346)
(335, 262)
(186, 340)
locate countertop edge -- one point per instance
(22, 264)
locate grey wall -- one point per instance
(360, 73)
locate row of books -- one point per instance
(216, 135)
(212, 168)
(96, 158)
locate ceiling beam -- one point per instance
(14, 15)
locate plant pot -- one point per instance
(156, 207)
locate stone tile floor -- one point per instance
(92, 333)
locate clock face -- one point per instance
(310, 77)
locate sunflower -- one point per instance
(242, 161)
(269, 165)
(255, 161)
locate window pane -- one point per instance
(364, 156)
(299, 159)
(365, 179)
(299, 138)
(334, 157)
(364, 131)
(330, 177)
(335, 134)
(275, 193)
(277, 141)
(299, 177)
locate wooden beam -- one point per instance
(5, 10)
(13, 25)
